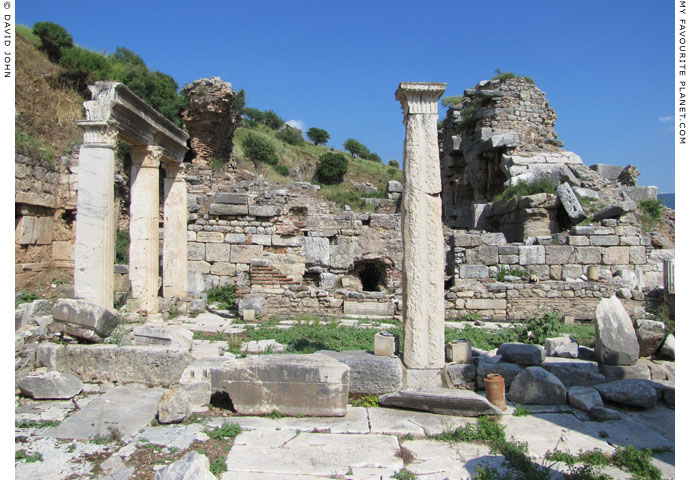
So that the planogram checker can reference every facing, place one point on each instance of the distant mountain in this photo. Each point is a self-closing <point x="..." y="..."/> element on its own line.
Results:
<point x="668" y="199"/>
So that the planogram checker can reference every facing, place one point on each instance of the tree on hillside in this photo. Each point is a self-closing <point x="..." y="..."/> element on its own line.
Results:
<point x="374" y="157"/>
<point x="332" y="168"/>
<point x="254" y="115"/>
<point x="318" y="135"/>
<point x="393" y="163"/>
<point x="259" y="149"/>
<point x="356" y="148"/>
<point x="272" y="120"/>
<point x="125" y="55"/>
<point x="290" y="135"/>
<point x="54" y="39"/>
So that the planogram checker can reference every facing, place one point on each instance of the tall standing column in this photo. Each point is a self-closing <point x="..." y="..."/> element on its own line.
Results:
<point x="175" y="232"/>
<point x="422" y="235"/>
<point x="94" y="247"/>
<point x="143" y="227"/>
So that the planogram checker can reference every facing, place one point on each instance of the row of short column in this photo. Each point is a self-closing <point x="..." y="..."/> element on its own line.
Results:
<point x="94" y="246"/>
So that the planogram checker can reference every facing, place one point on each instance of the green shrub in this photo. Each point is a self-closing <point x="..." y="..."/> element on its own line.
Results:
<point x="332" y="168"/>
<point x="281" y="169"/>
<point x="502" y="75"/>
<point x="122" y="247"/>
<point x="259" y="149"/>
<point x="539" y="328"/>
<point x="452" y="100"/>
<point x="54" y="39"/>
<point x="272" y="120"/>
<point x="404" y="474"/>
<point x="228" y="430"/>
<point x="637" y="462"/>
<point x="374" y="157"/>
<point x="253" y="115"/>
<point x="521" y="412"/>
<point x="485" y="430"/>
<point x="650" y="216"/>
<point x="225" y="296"/>
<point x="318" y="135"/>
<point x="523" y="189"/>
<point x="393" y="163"/>
<point x="290" y="135"/>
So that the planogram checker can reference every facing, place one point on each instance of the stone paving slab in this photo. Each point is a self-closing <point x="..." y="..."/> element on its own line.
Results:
<point x="629" y="431"/>
<point x="176" y="436"/>
<point x="58" y="462"/>
<point x="50" y="409"/>
<point x="401" y="422"/>
<point x="208" y="349"/>
<point x="544" y="431"/>
<point x="660" y="419"/>
<point x="284" y="452"/>
<point x="434" y="460"/>
<point x="128" y="409"/>
<point x="354" y="421"/>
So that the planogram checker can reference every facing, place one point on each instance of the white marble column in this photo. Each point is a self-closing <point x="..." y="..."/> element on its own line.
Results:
<point x="175" y="232"/>
<point x="143" y="226"/>
<point x="422" y="235"/>
<point x="94" y="248"/>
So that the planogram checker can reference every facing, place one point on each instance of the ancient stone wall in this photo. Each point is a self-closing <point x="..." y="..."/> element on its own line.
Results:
<point x="45" y="202"/>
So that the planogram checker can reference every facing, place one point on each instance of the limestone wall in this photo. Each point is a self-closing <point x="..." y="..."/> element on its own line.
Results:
<point x="45" y="200"/>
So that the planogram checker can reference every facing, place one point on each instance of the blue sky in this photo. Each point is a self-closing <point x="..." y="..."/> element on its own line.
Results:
<point x="606" y="67"/>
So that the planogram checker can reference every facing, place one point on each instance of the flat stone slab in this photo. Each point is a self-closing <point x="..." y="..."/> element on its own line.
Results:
<point x="175" y="436"/>
<point x="628" y="431"/>
<point x="370" y="374"/>
<point x="439" y="460"/>
<point x="311" y="385"/>
<point x="419" y="424"/>
<point x="282" y="453"/>
<point x="354" y="421"/>
<point x="444" y="402"/>
<point x="634" y="392"/>
<point x="521" y="353"/>
<point x="127" y="409"/>
<point x="573" y="371"/>
<point x="543" y="431"/>
<point x="49" y="385"/>
<point x="368" y="308"/>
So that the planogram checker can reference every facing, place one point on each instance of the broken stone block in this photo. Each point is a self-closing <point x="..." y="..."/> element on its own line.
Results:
<point x="174" y="406"/>
<point x="49" y="385"/>
<point x="253" y="302"/>
<point x="385" y="344"/>
<point x="634" y="392"/>
<point x="615" y="337"/>
<point x="163" y="335"/>
<point x="570" y="203"/>
<point x="26" y="313"/>
<point x="621" y="372"/>
<point x="584" y="398"/>
<point x="459" y="351"/>
<point x="628" y="175"/>
<point x="564" y="347"/>
<point x="668" y="348"/>
<point x="370" y="374"/>
<point x="444" y="402"/>
<point x="609" y="172"/>
<point x="574" y="371"/>
<point x="193" y="466"/>
<point x="650" y="335"/>
<point x="309" y="385"/>
<point x="84" y="319"/>
<point x="615" y="210"/>
<point x="462" y="375"/>
<point x="521" y="353"/>
<point x="536" y="385"/>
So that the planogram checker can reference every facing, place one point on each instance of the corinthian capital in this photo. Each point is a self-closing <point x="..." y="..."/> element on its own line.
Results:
<point x="146" y="156"/>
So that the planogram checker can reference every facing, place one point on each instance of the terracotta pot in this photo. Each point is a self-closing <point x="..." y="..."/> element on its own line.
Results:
<point x="495" y="390"/>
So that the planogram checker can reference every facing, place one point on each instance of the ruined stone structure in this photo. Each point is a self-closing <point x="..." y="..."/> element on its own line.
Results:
<point x="212" y="114"/>
<point x="115" y="112"/>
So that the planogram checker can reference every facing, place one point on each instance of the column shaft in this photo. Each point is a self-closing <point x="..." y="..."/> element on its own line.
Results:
<point x="422" y="232"/>
<point x="175" y="232"/>
<point x="94" y="248"/>
<point x="143" y="227"/>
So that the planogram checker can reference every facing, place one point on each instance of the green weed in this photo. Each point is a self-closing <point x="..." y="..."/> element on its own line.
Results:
<point x="228" y="430"/>
<point x="28" y="457"/>
<point x="365" y="401"/>
<point x="218" y="466"/>
<point x="521" y="412"/>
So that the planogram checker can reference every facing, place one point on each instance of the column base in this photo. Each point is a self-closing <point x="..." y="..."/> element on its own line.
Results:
<point x="422" y="378"/>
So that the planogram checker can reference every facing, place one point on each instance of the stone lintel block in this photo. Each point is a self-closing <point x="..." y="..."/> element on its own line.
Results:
<point x="210" y="237"/>
<point x="616" y="256"/>
<point x="473" y="271"/>
<point x="446" y="402"/>
<point x="309" y="385"/>
<point x="245" y="253"/>
<point x="223" y="268"/>
<point x="264" y="210"/>
<point x="230" y="198"/>
<point x="367" y="308"/>
<point x="287" y="241"/>
<point x="485" y="304"/>
<point x="386" y="345"/>
<point x="223" y="209"/>
<point x="578" y="240"/>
